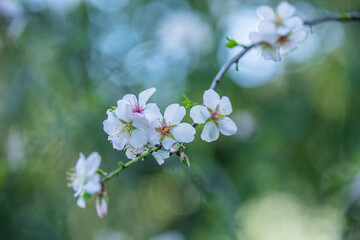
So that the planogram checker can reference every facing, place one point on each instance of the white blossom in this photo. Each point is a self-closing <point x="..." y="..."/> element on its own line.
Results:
<point x="169" y="129"/>
<point x="128" y="123"/>
<point x="279" y="32"/>
<point x="85" y="179"/>
<point x="215" y="116"/>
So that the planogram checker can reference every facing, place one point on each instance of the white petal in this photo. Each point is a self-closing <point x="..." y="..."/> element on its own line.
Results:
<point x="152" y="112"/>
<point x="80" y="167"/>
<point x="174" y="113"/>
<point x="225" y="106"/>
<point x="140" y="121"/>
<point x="271" y="54"/>
<point x="130" y="99"/>
<point x="210" y="132"/>
<point x="290" y="25"/>
<point x="168" y="142"/>
<point x="211" y="99"/>
<point x="266" y="12"/>
<point x="81" y="202"/>
<point x="130" y="153"/>
<point x="255" y="37"/>
<point x="298" y="36"/>
<point x="158" y="158"/>
<point x="199" y="114"/>
<point x="145" y="95"/>
<point x="119" y="142"/>
<point x="266" y="27"/>
<point x="93" y="162"/>
<point x="112" y="124"/>
<point x="227" y="126"/>
<point x="123" y="111"/>
<point x="288" y="47"/>
<point x="285" y="10"/>
<point x="183" y="132"/>
<point x="93" y="185"/>
<point x="138" y="138"/>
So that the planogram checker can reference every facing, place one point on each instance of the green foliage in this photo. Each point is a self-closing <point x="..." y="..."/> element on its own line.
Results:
<point x="231" y="43"/>
<point x="188" y="103"/>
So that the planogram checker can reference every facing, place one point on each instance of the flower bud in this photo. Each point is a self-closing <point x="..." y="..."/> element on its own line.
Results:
<point x="102" y="204"/>
<point x="184" y="159"/>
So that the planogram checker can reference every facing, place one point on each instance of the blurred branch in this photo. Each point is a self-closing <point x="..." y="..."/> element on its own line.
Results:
<point x="355" y="16"/>
<point x="227" y="65"/>
<point x="129" y="163"/>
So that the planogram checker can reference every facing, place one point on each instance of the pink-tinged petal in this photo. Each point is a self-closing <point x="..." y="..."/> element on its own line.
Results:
<point x="225" y="106"/>
<point x="93" y="184"/>
<point x="298" y="36"/>
<point x="93" y="162"/>
<point x="101" y="207"/>
<point x="130" y="99"/>
<point x="152" y="112"/>
<point x="174" y="113"/>
<point x="227" y="126"/>
<point x="112" y="124"/>
<point x="266" y="13"/>
<point x="119" y="141"/>
<point x="140" y="121"/>
<point x="199" y="114"/>
<point x="266" y="27"/>
<point x="211" y="99"/>
<point x="123" y="111"/>
<point x="183" y="132"/>
<point x="138" y="138"/>
<point x="285" y="10"/>
<point x="210" y="132"/>
<point x="168" y="142"/>
<point x="80" y="167"/>
<point x="81" y="202"/>
<point x="145" y="95"/>
<point x="288" y="47"/>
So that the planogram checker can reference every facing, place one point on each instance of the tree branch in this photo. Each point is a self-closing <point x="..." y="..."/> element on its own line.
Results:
<point x="355" y="16"/>
<point x="129" y="163"/>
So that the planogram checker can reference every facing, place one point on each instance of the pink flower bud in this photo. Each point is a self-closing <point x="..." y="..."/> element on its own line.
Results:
<point x="102" y="205"/>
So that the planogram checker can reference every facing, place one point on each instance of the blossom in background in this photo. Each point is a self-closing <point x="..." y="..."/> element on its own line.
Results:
<point x="215" y="116"/>
<point x="85" y="179"/>
<point x="168" y="129"/>
<point x="127" y="124"/>
<point x="279" y="32"/>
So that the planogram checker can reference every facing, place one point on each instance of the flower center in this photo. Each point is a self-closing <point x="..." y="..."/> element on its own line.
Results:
<point x="164" y="129"/>
<point x="283" y="39"/>
<point x="215" y="115"/>
<point x="135" y="107"/>
<point x="278" y="20"/>
<point x="124" y="131"/>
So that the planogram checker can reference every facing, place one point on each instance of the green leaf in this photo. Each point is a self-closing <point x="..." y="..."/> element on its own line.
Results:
<point x="232" y="43"/>
<point x="188" y="103"/>
<point x="112" y="108"/>
<point x="86" y="196"/>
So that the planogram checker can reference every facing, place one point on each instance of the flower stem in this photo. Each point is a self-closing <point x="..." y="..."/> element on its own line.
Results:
<point x="129" y="163"/>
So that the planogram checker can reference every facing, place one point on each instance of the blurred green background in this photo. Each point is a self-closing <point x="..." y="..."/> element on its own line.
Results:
<point x="291" y="171"/>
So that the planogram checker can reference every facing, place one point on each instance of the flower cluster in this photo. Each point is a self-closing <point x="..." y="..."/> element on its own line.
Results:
<point x="139" y="127"/>
<point x="279" y="32"/>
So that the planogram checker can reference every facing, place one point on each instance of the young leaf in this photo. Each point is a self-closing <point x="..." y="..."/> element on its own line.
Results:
<point x="232" y="43"/>
<point x="188" y="103"/>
